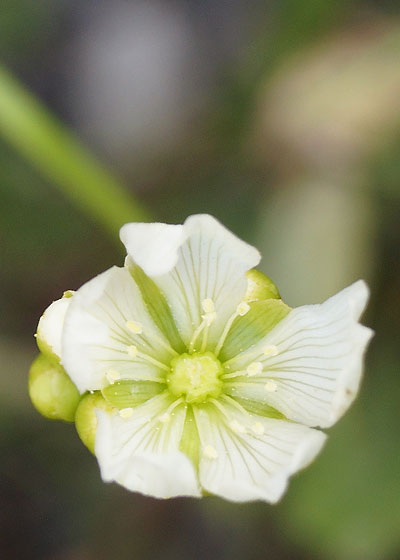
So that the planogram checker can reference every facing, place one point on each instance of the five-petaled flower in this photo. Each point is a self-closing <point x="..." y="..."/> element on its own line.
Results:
<point x="196" y="377"/>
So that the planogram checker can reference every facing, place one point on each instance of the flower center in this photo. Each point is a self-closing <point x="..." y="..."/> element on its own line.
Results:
<point x="196" y="376"/>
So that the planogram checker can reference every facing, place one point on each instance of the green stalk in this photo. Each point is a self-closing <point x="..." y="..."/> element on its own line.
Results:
<point x="49" y="146"/>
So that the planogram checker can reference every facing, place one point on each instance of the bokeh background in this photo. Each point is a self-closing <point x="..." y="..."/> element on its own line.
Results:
<point x="280" y="117"/>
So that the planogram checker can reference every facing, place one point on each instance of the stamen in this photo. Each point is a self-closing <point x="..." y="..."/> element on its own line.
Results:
<point x="210" y="452"/>
<point x="254" y="369"/>
<point x="271" y="386"/>
<point x="234" y="403"/>
<point x="195" y="335"/>
<point x="165" y="417"/>
<point x="258" y="429"/>
<point x="112" y="376"/>
<point x="126" y="413"/>
<point x="133" y="352"/>
<point x="242" y="308"/>
<point x="270" y="350"/>
<point x="134" y="327"/>
<point x="237" y="427"/>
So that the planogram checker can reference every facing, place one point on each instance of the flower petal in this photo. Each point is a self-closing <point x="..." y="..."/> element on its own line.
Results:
<point x="193" y="263"/>
<point x="248" y="457"/>
<point x="109" y="332"/>
<point x="141" y="452"/>
<point x="49" y="331"/>
<point x="311" y="362"/>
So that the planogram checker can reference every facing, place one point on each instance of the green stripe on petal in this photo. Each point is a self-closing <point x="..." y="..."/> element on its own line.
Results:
<point x="157" y="306"/>
<point x="260" y="408"/>
<point x="190" y="441"/>
<point x="128" y="394"/>
<point x="248" y="329"/>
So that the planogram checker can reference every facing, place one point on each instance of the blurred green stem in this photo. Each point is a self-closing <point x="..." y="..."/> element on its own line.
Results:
<point x="38" y="136"/>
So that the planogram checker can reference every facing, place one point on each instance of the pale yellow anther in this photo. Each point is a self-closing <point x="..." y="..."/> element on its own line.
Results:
<point x="126" y="413"/>
<point x="134" y="327"/>
<point x="210" y="452"/>
<point x="132" y="351"/>
<point x="258" y="429"/>
<point x="270" y="350"/>
<point x="254" y="369"/>
<point x="237" y="427"/>
<point x="112" y="376"/>
<point x="242" y="308"/>
<point x="165" y="418"/>
<point x="271" y="386"/>
<point x="208" y="305"/>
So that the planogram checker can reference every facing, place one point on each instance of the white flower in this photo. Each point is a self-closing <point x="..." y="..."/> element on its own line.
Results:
<point x="212" y="383"/>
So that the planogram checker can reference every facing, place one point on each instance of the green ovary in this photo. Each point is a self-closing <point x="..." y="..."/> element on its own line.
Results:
<point x="196" y="377"/>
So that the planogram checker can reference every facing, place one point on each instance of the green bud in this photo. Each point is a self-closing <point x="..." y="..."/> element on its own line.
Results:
<point x="86" y="419"/>
<point x="51" y="390"/>
<point x="260" y="287"/>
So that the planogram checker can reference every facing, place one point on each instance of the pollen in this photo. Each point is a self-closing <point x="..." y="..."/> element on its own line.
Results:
<point x="258" y="429"/>
<point x="254" y="369"/>
<point x="242" y="308"/>
<point x="112" y="375"/>
<point x="132" y="351"/>
<point x="126" y="413"/>
<point x="210" y="452"/>
<point x="270" y="350"/>
<point x="134" y="327"/>
<point x="271" y="386"/>
<point x="237" y="427"/>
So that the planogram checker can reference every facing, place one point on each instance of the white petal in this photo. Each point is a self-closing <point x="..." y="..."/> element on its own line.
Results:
<point x="50" y="326"/>
<point x="142" y="451"/>
<point x="96" y="340"/>
<point x="319" y="360"/>
<point x="199" y="261"/>
<point x="248" y="457"/>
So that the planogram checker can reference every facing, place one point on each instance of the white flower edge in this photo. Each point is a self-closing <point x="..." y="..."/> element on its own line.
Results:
<point x="50" y="326"/>
<point x="314" y="372"/>
<point x="141" y="452"/>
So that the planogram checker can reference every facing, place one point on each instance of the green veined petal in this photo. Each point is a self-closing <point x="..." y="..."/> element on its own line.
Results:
<point x="190" y="441"/>
<point x="128" y="394"/>
<point x="260" y="408"/>
<point x="252" y="327"/>
<point x="157" y="306"/>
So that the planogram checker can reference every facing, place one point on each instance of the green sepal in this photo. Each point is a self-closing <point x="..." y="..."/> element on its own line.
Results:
<point x="128" y="394"/>
<point x="86" y="419"/>
<point x="260" y="408"/>
<point x="157" y="306"/>
<point x="51" y="391"/>
<point x="260" y="286"/>
<point x="247" y="330"/>
<point x="190" y="440"/>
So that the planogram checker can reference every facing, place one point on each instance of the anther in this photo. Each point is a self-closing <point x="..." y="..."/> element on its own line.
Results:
<point x="270" y="350"/>
<point x="210" y="452"/>
<point x="271" y="386"/>
<point x="237" y="427"/>
<point x="134" y="327"/>
<point x="258" y="429"/>
<point x="126" y="413"/>
<point x="208" y="305"/>
<point x="242" y="308"/>
<point x="112" y="376"/>
<point x="132" y="351"/>
<point x="254" y="369"/>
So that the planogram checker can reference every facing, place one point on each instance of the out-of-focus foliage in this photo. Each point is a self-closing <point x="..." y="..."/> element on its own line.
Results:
<point x="282" y="119"/>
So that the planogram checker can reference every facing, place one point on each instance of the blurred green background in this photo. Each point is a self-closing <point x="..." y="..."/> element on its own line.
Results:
<point x="282" y="118"/>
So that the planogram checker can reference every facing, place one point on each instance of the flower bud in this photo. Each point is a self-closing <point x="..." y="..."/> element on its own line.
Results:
<point x="86" y="419"/>
<point x="260" y="287"/>
<point x="48" y="336"/>
<point x="51" y="390"/>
